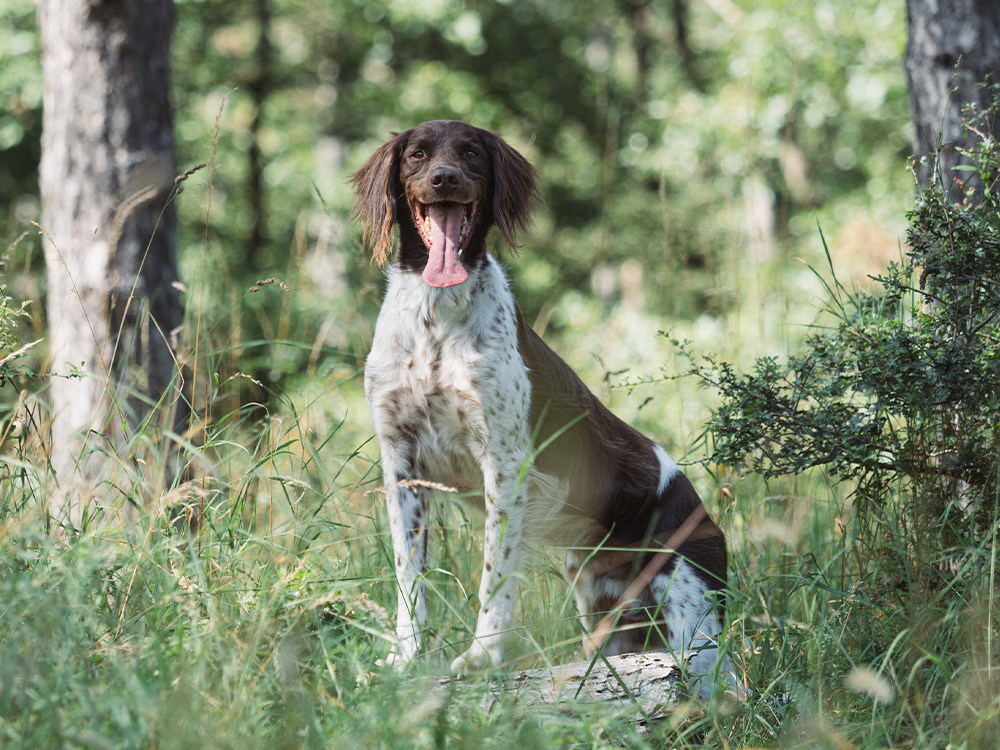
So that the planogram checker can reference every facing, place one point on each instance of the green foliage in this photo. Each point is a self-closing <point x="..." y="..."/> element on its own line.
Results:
<point x="245" y="602"/>
<point x="652" y="125"/>
<point x="898" y="392"/>
<point x="893" y="397"/>
<point x="249" y="608"/>
<point x="11" y="318"/>
<point x="20" y="108"/>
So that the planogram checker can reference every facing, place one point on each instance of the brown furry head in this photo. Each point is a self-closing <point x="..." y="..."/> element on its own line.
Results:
<point x="381" y="200"/>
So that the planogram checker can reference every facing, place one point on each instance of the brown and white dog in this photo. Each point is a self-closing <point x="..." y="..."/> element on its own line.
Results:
<point x="464" y="393"/>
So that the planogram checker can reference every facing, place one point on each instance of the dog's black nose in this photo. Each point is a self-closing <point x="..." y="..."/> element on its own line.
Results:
<point x="445" y="177"/>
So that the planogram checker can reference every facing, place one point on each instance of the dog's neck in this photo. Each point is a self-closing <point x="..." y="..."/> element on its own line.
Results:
<point x="429" y="305"/>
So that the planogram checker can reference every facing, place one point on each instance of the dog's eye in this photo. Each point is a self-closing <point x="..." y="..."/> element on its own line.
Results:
<point x="418" y="154"/>
<point x="471" y="154"/>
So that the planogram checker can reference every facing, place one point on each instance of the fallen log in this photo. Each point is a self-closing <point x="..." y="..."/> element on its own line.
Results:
<point x="645" y="683"/>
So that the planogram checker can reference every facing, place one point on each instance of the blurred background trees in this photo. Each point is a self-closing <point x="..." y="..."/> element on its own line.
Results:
<point x="676" y="142"/>
<point x="689" y="151"/>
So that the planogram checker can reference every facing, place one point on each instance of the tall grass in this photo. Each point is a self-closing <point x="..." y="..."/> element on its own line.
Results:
<point x="262" y="625"/>
<point x="247" y="602"/>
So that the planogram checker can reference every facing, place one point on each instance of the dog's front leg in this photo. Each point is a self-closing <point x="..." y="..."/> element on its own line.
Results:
<point x="501" y="557"/>
<point x="407" y="507"/>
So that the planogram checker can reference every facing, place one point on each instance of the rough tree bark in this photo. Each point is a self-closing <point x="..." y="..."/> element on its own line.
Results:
<point x="106" y="174"/>
<point x="953" y="46"/>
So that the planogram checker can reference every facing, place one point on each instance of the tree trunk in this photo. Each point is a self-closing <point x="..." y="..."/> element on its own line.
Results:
<point x="259" y="87"/>
<point x="951" y="49"/>
<point x="106" y="176"/>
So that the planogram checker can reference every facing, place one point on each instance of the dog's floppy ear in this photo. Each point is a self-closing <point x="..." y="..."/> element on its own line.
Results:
<point x="515" y="187"/>
<point x="375" y="204"/>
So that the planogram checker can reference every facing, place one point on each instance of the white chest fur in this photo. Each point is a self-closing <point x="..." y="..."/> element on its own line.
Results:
<point x="445" y="381"/>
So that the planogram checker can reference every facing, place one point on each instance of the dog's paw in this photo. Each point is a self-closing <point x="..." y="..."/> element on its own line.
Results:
<point x="394" y="660"/>
<point x="473" y="660"/>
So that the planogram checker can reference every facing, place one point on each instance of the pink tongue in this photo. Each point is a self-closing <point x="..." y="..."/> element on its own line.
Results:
<point x="444" y="268"/>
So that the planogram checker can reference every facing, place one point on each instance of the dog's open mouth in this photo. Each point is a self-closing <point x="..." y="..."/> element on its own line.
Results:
<point x="445" y="229"/>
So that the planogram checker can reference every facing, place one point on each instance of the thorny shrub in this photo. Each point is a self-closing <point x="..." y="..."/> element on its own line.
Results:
<point x="897" y="391"/>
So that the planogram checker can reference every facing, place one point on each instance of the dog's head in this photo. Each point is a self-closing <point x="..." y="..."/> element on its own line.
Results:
<point x="445" y="184"/>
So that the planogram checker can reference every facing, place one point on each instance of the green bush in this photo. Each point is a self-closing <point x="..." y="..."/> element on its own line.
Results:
<point x="896" y="391"/>
<point x="11" y="317"/>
